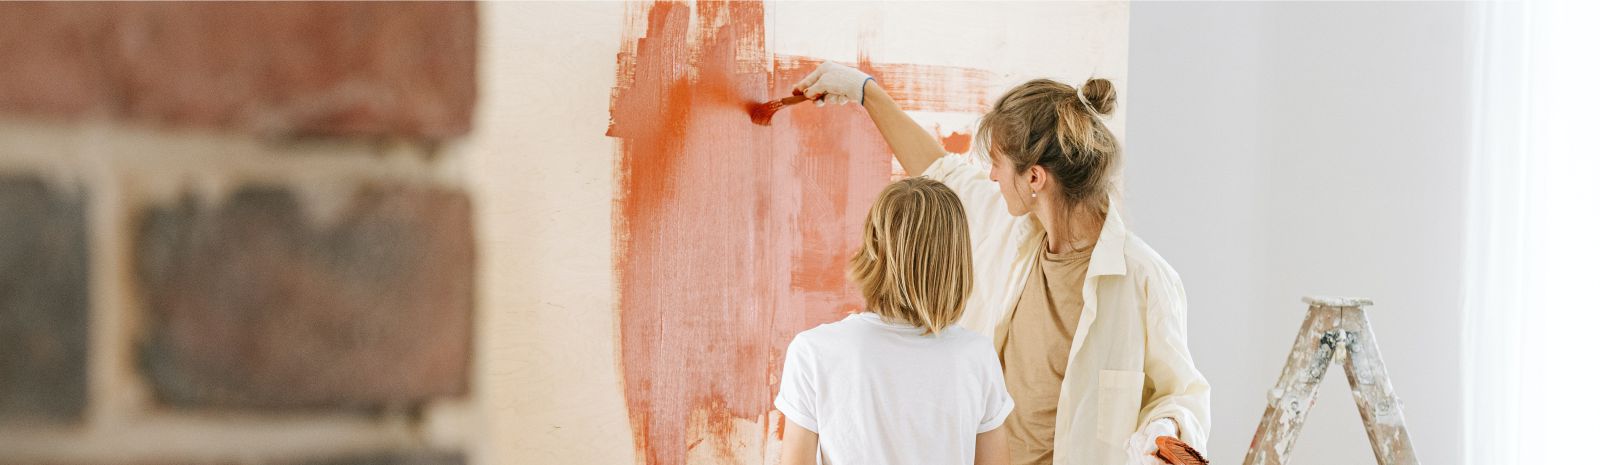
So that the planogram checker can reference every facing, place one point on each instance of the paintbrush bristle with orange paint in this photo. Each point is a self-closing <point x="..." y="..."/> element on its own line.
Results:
<point x="1171" y="450"/>
<point x="762" y="114"/>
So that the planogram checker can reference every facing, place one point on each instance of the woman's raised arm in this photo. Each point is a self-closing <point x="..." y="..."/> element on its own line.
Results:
<point x="913" y="146"/>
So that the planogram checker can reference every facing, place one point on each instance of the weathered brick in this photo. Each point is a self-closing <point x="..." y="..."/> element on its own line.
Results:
<point x="43" y="302"/>
<point x="250" y="304"/>
<point x="299" y="68"/>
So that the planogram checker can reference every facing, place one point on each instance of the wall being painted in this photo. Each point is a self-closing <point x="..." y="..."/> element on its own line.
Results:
<point x="648" y="252"/>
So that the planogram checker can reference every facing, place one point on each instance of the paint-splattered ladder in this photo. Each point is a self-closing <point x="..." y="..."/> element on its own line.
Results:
<point x="1336" y="330"/>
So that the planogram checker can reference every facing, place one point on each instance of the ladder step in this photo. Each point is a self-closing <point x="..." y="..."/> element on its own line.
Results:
<point x="1330" y="301"/>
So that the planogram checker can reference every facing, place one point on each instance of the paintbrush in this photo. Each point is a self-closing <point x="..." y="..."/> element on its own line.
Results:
<point x="762" y="114"/>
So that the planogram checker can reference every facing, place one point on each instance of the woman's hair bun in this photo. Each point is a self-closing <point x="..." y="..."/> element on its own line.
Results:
<point x="1100" y="95"/>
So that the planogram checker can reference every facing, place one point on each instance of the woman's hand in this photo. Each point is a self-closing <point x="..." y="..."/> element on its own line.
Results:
<point x="838" y="84"/>
<point x="1142" y="445"/>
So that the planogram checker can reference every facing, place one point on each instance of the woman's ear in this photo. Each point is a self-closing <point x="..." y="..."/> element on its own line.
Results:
<point x="1037" y="178"/>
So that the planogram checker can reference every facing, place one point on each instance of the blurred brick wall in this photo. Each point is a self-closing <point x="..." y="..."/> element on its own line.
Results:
<point x="229" y="233"/>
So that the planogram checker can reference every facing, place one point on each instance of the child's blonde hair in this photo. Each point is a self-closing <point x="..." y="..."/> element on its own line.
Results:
<point x="915" y="263"/>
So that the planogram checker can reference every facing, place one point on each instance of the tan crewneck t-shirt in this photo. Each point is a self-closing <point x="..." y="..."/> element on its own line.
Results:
<point x="1034" y="350"/>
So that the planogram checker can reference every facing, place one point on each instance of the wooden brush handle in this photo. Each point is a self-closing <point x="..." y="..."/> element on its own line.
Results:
<point x="793" y="100"/>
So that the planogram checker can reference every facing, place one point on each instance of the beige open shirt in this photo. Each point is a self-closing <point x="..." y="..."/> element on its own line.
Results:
<point x="1129" y="361"/>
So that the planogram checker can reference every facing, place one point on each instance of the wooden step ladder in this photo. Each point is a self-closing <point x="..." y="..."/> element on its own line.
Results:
<point x="1336" y="331"/>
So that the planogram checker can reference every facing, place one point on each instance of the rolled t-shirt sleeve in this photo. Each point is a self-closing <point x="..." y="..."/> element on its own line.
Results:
<point x="797" y="391"/>
<point x="997" y="402"/>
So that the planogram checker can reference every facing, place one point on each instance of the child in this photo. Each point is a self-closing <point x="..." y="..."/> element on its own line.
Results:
<point x="898" y="384"/>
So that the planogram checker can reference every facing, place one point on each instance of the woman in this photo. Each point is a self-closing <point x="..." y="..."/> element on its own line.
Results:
<point x="1088" y="321"/>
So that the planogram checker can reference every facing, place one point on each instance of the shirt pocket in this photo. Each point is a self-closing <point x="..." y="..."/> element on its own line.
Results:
<point x="1118" y="404"/>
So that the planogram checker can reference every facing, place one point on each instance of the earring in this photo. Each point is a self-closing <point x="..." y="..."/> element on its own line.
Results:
<point x="1035" y="194"/>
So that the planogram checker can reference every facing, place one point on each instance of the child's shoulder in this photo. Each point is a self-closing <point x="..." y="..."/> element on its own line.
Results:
<point x="859" y="326"/>
<point x="967" y="338"/>
<point x="826" y="331"/>
<point x="961" y="334"/>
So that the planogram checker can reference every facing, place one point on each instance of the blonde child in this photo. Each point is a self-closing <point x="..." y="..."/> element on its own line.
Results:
<point x="899" y="383"/>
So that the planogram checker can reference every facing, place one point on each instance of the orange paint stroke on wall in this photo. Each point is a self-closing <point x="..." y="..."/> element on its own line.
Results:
<point x="957" y="142"/>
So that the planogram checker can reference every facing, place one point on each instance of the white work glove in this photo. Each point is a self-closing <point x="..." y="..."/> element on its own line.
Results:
<point x="1142" y="445"/>
<point x="837" y="84"/>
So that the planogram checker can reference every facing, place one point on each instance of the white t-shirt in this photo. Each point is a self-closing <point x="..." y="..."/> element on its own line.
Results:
<point x="882" y="393"/>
